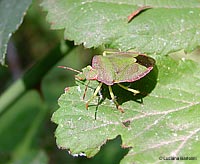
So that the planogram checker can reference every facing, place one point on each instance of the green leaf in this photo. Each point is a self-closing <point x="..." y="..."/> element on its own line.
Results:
<point x="168" y="26"/>
<point x="11" y="16"/>
<point x="165" y="124"/>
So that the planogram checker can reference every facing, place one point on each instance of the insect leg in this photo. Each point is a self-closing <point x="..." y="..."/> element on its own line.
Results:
<point x="110" y="52"/>
<point x="113" y="99"/>
<point x="129" y="89"/>
<point x="86" y="89"/>
<point x="94" y="95"/>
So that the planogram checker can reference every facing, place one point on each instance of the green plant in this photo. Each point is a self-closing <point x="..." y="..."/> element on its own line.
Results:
<point x="161" y="124"/>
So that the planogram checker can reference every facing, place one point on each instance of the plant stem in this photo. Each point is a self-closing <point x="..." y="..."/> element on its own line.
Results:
<point x="32" y="78"/>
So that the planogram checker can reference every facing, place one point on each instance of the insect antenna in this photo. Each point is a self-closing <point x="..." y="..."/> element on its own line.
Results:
<point x="68" y="68"/>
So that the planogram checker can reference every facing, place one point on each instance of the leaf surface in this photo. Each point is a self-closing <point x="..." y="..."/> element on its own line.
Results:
<point x="166" y="124"/>
<point x="167" y="27"/>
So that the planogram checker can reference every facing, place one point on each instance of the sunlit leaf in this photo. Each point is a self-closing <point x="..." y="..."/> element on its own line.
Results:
<point x="11" y="15"/>
<point x="166" y="27"/>
<point x="165" y="124"/>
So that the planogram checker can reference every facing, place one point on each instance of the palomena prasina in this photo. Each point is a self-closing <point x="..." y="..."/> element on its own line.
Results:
<point x="115" y="68"/>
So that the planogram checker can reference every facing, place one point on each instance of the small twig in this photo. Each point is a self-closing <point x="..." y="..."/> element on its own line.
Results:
<point x="136" y="12"/>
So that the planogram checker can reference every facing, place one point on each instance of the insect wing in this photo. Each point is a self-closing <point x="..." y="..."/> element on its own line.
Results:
<point x="144" y="65"/>
<point x="124" y="67"/>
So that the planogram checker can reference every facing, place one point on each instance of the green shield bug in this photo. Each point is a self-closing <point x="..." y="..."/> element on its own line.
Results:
<point x="115" y="68"/>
